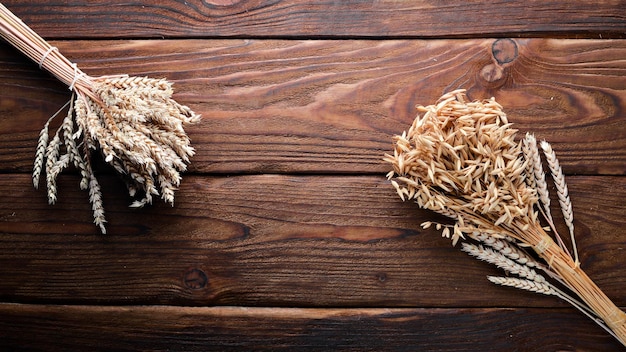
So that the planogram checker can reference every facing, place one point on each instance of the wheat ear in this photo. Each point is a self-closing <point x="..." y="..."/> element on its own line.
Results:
<point x="531" y="152"/>
<point x="95" y="198"/>
<point x="507" y="248"/>
<point x="562" y="193"/>
<point x="42" y="144"/>
<point x="511" y="249"/>
<point x="502" y="261"/>
<point x="524" y="284"/>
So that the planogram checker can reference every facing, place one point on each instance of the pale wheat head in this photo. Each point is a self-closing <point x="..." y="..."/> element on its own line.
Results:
<point x="132" y="121"/>
<point x="136" y="126"/>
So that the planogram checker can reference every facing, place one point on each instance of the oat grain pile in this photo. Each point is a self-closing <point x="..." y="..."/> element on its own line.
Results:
<point x="132" y="121"/>
<point x="461" y="159"/>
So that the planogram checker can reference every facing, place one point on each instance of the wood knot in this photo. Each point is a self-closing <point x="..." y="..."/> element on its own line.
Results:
<point x="504" y="51"/>
<point x="492" y="73"/>
<point x="195" y="279"/>
<point x="381" y="277"/>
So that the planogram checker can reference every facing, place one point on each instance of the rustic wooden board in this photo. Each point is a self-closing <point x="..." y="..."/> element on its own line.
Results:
<point x="300" y="18"/>
<point x="271" y="240"/>
<point x="88" y="328"/>
<point x="286" y="204"/>
<point x="317" y="106"/>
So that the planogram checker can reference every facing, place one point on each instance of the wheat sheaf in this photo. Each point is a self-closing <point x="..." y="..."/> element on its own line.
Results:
<point x="133" y="122"/>
<point x="462" y="159"/>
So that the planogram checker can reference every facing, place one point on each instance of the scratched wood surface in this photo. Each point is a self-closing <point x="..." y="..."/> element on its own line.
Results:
<point x="285" y="233"/>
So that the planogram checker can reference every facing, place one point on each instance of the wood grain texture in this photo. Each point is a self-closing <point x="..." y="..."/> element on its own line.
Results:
<point x="285" y="234"/>
<point x="299" y="18"/>
<point x="272" y="240"/>
<point x="87" y="328"/>
<point x="316" y="106"/>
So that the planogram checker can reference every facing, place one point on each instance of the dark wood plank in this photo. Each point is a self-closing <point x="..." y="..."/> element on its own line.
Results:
<point x="300" y="18"/>
<point x="273" y="106"/>
<point x="305" y="218"/>
<point x="271" y="240"/>
<point x="84" y="328"/>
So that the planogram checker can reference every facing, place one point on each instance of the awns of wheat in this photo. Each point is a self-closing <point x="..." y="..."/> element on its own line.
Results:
<point x="132" y="121"/>
<point x="461" y="159"/>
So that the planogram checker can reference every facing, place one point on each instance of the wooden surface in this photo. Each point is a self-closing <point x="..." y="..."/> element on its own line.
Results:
<point x="285" y="234"/>
<point x="324" y="18"/>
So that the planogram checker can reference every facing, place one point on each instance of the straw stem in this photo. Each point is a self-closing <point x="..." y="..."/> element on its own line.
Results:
<point x="31" y="44"/>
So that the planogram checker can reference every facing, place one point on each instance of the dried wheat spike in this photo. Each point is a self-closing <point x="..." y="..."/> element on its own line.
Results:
<point x="534" y="158"/>
<point x="562" y="192"/>
<point x="528" y="285"/>
<point x="40" y="154"/>
<point x="501" y="261"/>
<point x="95" y="197"/>
<point x="508" y="249"/>
<point x="52" y="158"/>
<point x="530" y="164"/>
<point x="42" y="145"/>
<point x="539" y="176"/>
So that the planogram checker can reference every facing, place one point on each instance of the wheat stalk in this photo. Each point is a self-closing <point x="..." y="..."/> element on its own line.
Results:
<point x="132" y="121"/>
<point x="461" y="158"/>
<point x="505" y="248"/>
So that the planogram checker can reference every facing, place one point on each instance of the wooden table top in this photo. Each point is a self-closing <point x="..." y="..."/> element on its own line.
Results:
<point x="285" y="233"/>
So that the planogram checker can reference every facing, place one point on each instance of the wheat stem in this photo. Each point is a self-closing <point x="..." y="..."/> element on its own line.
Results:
<point x="547" y="288"/>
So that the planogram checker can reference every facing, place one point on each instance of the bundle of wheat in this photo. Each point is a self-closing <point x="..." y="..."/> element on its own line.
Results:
<point x="461" y="159"/>
<point x="132" y="121"/>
